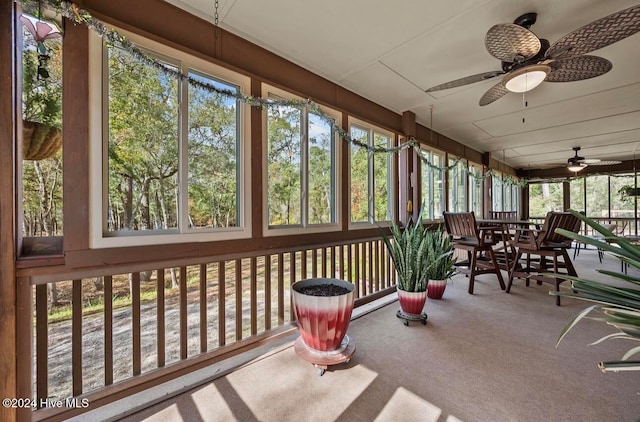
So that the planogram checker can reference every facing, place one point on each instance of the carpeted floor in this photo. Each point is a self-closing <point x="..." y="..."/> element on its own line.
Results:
<point x="490" y="356"/>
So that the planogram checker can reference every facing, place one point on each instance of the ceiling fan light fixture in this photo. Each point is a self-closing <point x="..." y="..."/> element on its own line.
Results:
<point x="576" y="167"/>
<point x="526" y="78"/>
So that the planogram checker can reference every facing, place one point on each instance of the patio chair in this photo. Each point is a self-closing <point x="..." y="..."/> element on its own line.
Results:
<point x="503" y="235"/>
<point x="544" y="243"/>
<point x="477" y="242"/>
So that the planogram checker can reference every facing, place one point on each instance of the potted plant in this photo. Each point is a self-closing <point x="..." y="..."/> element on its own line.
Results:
<point x="323" y="308"/>
<point x="410" y="249"/>
<point x="442" y="266"/>
<point x="615" y="306"/>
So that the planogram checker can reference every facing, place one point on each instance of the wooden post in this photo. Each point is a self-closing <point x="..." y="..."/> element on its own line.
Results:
<point x="8" y="110"/>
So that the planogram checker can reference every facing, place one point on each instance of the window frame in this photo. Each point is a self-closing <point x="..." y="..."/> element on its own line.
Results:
<point x="98" y="130"/>
<point x="426" y="170"/>
<point x="457" y="179"/>
<point x="391" y="173"/>
<point x="304" y="227"/>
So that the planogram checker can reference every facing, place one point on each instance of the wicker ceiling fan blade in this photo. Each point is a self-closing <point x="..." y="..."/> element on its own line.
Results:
<point x="601" y="162"/>
<point x="466" y="80"/>
<point x="494" y="93"/>
<point x="577" y="68"/>
<point x="511" y="43"/>
<point x="597" y="34"/>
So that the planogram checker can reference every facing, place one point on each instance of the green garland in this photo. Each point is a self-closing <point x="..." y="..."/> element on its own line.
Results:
<point x="70" y="11"/>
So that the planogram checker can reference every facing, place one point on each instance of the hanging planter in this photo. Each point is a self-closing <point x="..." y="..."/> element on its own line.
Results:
<point x="40" y="141"/>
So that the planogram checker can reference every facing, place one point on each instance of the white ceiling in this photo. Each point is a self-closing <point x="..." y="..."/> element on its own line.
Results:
<point x="390" y="52"/>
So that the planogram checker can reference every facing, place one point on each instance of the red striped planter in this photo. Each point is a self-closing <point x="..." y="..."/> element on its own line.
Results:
<point x="435" y="289"/>
<point x="412" y="303"/>
<point x="323" y="320"/>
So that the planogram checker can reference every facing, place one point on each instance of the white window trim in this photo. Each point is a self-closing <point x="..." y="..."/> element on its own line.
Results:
<point x="299" y="229"/>
<point x="359" y="225"/>
<point x="97" y="183"/>
<point x="430" y="202"/>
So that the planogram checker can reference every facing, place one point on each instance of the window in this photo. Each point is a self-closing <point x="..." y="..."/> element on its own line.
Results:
<point x="497" y="193"/>
<point x="41" y="181"/>
<point x="457" y="185"/>
<point x="172" y="156"/>
<point x="432" y="184"/>
<point x="545" y="197"/>
<point x="476" y="193"/>
<point x="301" y="167"/>
<point x="370" y="175"/>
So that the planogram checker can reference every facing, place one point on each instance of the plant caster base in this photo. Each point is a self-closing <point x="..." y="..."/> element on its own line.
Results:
<point x="322" y="360"/>
<point x="412" y="317"/>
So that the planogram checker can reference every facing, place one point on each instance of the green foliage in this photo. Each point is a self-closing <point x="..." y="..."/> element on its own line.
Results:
<point x="628" y="193"/>
<point x="42" y="103"/>
<point x="419" y="255"/>
<point x="440" y="249"/>
<point x="284" y="173"/>
<point x="615" y="306"/>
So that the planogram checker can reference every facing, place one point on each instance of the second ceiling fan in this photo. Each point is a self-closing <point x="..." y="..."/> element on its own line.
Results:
<point x="527" y="60"/>
<point x="577" y="163"/>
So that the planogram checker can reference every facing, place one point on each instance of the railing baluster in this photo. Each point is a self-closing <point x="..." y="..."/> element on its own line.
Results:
<point x="280" y="289"/>
<point x="350" y="266"/>
<point x="135" y="321"/>
<point x="292" y="279"/>
<point x="314" y="263"/>
<point x="356" y="267"/>
<point x="370" y="263"/>
<point x="324" y="262"/>
<point x="76" y="337"/>
<point x="238" y="299"/>
<point x="267" y="292"/>
<point x="377" y="244"/>
<point x="42" y="343"/>
<point x="222" y="289"/>
<point x="203" y="308"/>
<point x="341" y="258"/>
<point x="303" y="264"/>
<point x="254" y="296"/>
<point x="183" y="313"/>
<point x="160" y="326"/>
<point x="108" y="329"/>
<point x="333" y="261"/>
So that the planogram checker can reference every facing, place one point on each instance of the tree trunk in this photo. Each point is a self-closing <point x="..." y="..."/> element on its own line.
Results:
<point x="145" y="216"/>
<point x="45" y="211"/>
<point x="127" y="203"/>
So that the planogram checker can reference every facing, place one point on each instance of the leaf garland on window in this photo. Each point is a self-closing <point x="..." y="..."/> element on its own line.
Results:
<point x="80" y="16"/>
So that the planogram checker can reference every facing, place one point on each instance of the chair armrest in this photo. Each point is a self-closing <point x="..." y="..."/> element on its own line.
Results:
<point x="526" y="238"/>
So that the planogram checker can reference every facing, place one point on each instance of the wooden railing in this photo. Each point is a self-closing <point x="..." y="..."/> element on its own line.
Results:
<point x="625" y="225"/>
<point x="127" y="328"/>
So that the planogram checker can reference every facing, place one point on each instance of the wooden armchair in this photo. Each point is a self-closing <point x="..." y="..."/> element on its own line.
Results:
<point x="544" y="243"/>
<point x="477" y="242"/>
<point x="504" y="233"/>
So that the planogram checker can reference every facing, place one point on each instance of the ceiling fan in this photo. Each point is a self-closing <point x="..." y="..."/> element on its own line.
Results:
<point x="577" y="163"/>
<point x="527" y="60"/>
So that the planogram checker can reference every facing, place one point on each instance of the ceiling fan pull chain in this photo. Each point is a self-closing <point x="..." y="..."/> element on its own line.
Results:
<point x="524" y="106"/>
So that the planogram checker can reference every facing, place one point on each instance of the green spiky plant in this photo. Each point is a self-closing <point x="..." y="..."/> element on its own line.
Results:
<point x="417" y="253"/>
<point x="615" y="306"/>
<point x="440" y="251"/>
